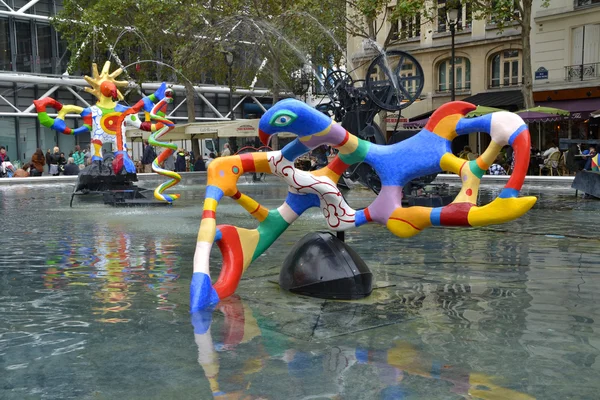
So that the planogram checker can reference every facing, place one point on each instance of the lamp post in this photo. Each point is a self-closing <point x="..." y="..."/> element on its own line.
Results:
<point x="229" y="61"/>
<point x="452" y="18"/>
<point x="305" y="86"/>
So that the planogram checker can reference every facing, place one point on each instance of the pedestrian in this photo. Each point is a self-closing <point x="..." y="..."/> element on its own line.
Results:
<point x="71" y="168"/>
<point x="180" y="163"/>
<point x="22" y="172"/>
<point x="226" y="150"/>
<point x="211" y="158"/>
<point x="37" y="163"/>
<point x="48" y="160"/>
<point x="79" y="157"/>
<point x="148" y="157"/>
<point x="87" y="156"/>
<point x="53" y="163"/>
<point x="3" y="155"/>
<point x="62" y="161"/>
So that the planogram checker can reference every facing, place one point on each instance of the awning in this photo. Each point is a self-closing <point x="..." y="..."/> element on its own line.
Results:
<point x="479" y="111"/>
<point x="531" y="116"/>
<point x="580" y="108"/>
<point x="203" y="130"/>
<point x="510" y="100"/>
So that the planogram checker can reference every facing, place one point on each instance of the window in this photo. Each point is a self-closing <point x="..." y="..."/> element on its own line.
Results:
<point x="584" y="3"/>
<point x="465" y="17"/>
<point x="44" y="41"/>
<point x="585" y="56"/>
<point x="408" y="70"/>
<point x="462" y="66"/>
<point x="586" y="44"/>
<point x="505" y="68"/>
<point x="515" y="11"/>
<point x="5" y="48"/>
<point x="406" y="28"/>
<point x="24" y="51"/>
<point x="410" y="27"/>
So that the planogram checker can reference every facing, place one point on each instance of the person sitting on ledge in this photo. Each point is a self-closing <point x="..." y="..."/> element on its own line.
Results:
<point x="22" y="172"/>
<point x="71" y="168"/>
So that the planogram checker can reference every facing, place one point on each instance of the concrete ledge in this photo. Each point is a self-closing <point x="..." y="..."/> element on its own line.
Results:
<point x="143" y="177"/>
<point x="502" y="179"/>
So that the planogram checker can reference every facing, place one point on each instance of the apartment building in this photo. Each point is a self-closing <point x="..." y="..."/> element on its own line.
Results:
<point x="566" y="62"/>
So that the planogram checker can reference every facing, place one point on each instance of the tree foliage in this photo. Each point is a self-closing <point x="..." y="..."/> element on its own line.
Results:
<point x="191" y="37"/>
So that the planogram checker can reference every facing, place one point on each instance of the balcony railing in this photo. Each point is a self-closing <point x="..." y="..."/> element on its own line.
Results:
<point x="582" y="72"/>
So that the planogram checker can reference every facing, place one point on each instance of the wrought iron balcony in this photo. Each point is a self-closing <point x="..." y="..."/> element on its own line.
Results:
<point x="582" y="72"/>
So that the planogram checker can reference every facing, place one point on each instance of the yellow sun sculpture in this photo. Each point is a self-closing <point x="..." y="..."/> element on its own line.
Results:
<point x="98" y="79"/>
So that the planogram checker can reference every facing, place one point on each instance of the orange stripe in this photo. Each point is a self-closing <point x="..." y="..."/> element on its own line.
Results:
<point x="368" y="214"/>
<point x="257" y="208"/>
<point x="343" y="142"/>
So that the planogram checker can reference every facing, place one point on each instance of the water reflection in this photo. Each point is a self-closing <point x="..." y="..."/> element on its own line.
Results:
<point x="114" y="270"/>
<point x="318" y="371"/>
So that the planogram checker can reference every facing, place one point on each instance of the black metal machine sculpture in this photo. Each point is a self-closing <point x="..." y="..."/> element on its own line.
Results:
<point x="394" y="80"/>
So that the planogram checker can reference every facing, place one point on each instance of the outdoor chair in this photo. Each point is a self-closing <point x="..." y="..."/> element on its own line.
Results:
<point x="551" y="164"/>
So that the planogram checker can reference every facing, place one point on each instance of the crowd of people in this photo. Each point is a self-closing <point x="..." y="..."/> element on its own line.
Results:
<point x="52" y="163"/>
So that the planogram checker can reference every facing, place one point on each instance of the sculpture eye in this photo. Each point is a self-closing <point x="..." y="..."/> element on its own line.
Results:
<point x="283" y="118"/>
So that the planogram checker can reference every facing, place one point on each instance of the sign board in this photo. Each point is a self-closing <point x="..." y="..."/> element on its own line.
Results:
<point x="393" y="118"/>
<point x="541" y="73"/>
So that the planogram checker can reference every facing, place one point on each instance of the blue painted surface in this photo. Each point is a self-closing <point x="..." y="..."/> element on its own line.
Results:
<point x="202" y="294"/>
<point x="472" y="125"/>
<point x="508" y="193"/>
<point x="399" y="163"/>
<point x="294" y="149"/>
<point x="214" y="192"/>
<point x="301" y="202"/>
<point x="309" y="122"/>
<point x="516" y="133"/>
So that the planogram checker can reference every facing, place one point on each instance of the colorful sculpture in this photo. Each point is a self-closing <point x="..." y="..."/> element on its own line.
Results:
<point x="425" y="153"/>
<point x="107" y="119"/>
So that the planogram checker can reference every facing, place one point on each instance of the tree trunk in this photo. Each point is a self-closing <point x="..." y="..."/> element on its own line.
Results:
<point x="527" y="88"/>
<point x="190" y="97"/>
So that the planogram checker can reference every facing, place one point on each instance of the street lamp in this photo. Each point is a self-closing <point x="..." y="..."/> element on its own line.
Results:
<point x="229" y="61"/>
<point x="305" y="85"/>
<point x="452" y="18"/>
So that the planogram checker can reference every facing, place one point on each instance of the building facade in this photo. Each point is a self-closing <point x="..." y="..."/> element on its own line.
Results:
<point x="33" y="64"/>
<point x="566" y="63"/>
<point x="487" y="60"/>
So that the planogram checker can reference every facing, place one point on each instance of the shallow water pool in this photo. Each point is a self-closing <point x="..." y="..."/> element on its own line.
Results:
<point x="94" y="305"/>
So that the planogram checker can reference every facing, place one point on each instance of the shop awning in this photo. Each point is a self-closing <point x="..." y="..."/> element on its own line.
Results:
<point x="532" y="116"/>
<point x="580" y="108"/>
<point x="510" y="100"/>
<point x="204" y="130"/>
<point x="479" y="111"/>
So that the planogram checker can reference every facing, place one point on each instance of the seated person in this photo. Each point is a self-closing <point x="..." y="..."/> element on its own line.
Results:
<point x="71" y="168"/>
<point x="551" y="150"/>
<point x="496" y="168"/>
<point x="22" y="172"/>
<point x="591" y="153"/>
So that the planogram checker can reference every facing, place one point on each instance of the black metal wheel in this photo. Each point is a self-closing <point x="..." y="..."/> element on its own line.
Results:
<point x="335" y="82"/>
<point x="401" y="83"/>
